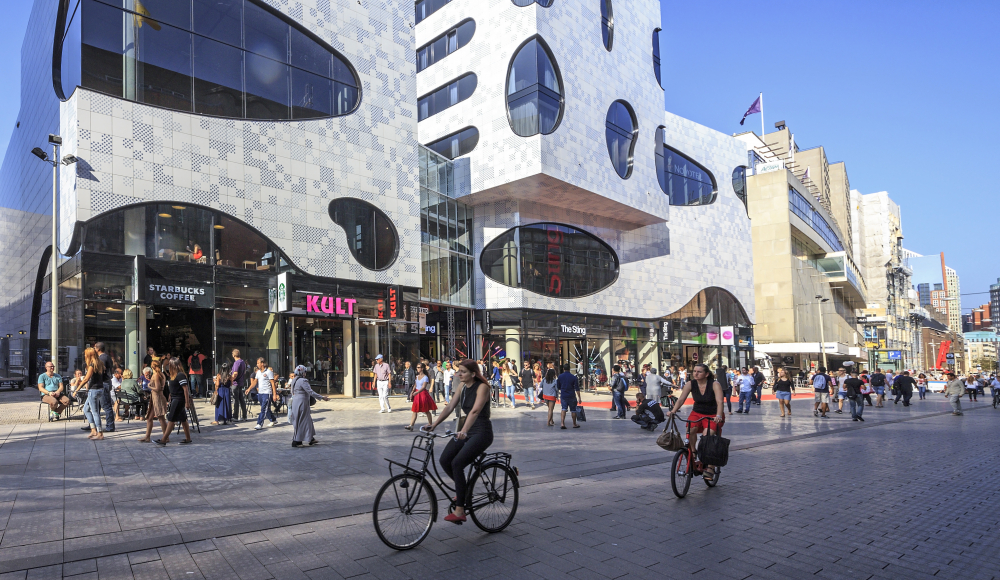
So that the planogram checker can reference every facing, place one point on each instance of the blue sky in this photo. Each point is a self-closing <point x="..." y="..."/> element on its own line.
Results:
<point x="904" y="92"/>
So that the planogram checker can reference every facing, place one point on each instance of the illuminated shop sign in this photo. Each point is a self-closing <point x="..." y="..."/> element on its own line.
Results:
<point x="330" y="305"/>
<point x="191" y="295"/>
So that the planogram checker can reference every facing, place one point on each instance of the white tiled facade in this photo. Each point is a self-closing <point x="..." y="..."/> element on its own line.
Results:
<point x="567" y="176"/>
<point x="276" y="176"/>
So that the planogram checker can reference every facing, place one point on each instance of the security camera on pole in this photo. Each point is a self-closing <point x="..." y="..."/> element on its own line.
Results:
<point x="56" y="142"/>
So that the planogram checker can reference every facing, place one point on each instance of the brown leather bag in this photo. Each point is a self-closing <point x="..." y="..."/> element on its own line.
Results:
<point x="671" y="438"/>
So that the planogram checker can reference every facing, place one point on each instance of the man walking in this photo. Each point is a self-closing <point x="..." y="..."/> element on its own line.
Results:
<point x="841" y="389"/>
<point x="746" y="391"/>
<point x="954" y="392"/>
<point x="618" y="387"/>
<point x="569" y="394"/>
<point x="383" y="374"/>
<point x="905" y="384"/>
<point x="238" y="372"/>
<point x="264" y="381"/>
<point x="821" y="387"/>
<point x="106" y="403"/>
<point x="654" y="386"/>
<point x="528" y="384"/>
<point x="877" y="380"/>
<point x="409" y="379"/>
<point x="758" y="385"/>
<point x="854" y="386"/>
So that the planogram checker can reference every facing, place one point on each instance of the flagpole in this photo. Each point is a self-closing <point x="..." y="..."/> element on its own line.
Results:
<point x="762" y="115"/>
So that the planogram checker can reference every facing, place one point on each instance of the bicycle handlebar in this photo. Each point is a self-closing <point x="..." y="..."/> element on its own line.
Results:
<point x="449" y="434"/>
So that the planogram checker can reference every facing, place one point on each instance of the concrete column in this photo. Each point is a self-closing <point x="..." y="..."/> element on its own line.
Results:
<point x="513" y="344"/>
<point x="352" y="362"/>
<point x="135" y="338"/>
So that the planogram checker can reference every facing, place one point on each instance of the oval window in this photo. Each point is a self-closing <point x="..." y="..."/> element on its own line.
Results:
<point x="225" y="58"/>
<point x="534" y="90"/>
<point x="550" y="259"/>
<point x="740" y="183"/>
<point x="621" y="128"/>
<point x="457" y="144"/>
<point x="607" y="24"/>
<point x="445" y="44"/>
<point x="683" y="179"/>
<point x="371" y="236"/>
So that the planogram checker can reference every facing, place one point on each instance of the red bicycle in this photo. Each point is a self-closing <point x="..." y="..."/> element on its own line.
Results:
<point x="686" y="465"/>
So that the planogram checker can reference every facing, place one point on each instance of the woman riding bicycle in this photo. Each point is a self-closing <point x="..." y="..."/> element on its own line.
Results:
<point x="707" y="395"/>
<point x="475" y="432"/>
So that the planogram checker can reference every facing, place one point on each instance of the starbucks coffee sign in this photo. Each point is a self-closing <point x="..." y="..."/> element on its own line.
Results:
<point x="284" y="293"/>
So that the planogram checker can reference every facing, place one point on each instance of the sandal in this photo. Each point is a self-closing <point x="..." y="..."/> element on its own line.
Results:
<point x="143" y="440"/>
<point x="186" y="441"/>
<point x="160" y="442"/>
<point x="408" y="427"/>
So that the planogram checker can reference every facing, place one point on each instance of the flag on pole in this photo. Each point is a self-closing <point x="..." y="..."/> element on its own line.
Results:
<point x="754" y="108"/>
<point x="806" y="174"/>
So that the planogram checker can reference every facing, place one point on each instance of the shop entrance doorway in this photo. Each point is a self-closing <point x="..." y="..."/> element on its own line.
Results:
<point x="584" y="359"/>
<point x="319" y="346"/>
<point x="180" y="332"/>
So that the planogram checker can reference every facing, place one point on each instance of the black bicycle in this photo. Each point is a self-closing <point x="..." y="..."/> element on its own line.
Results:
<point x="406" y="507"/>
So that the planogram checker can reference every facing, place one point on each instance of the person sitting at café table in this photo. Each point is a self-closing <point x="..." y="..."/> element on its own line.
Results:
<point x="197" y="254"/>
<point x="50" y="385"/>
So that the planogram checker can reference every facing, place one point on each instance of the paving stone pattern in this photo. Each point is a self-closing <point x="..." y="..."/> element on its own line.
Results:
<point x="910" y="493"/>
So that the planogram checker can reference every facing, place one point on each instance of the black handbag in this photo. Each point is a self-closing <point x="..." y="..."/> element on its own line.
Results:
<point x="713" y="450"/>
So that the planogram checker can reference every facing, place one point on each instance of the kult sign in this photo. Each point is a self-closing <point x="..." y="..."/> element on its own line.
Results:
<point x="328" y="305"/>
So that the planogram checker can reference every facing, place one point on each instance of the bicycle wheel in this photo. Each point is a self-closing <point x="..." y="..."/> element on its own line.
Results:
<point x="680" y="473"/>
<point x="492" y="497"/>
<point x="404" y="511"/>
<point x="715" y="479"/>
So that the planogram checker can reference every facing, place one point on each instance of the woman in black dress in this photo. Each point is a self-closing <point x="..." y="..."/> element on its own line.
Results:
<point x="180" y="400"/>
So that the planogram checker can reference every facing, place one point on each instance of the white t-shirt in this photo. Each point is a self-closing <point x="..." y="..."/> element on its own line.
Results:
<point x="264" y="381"/>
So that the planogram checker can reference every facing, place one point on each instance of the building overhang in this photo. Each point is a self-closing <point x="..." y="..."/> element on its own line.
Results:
<point x="832" y="348"/>
<point x="547" y="190"/>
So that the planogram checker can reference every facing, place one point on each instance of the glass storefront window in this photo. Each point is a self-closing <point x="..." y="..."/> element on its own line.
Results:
<point x="178" y="233"/>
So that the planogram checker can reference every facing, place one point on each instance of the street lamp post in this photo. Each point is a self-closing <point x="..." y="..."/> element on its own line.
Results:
<point x="822" y="337"/>
<point x="56" y="142"/>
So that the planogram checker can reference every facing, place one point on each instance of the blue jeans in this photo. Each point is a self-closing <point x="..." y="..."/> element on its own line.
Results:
<point x="529" y="396"/>
<point x="107" y="401"/>
<point x="92" y="409"/>
<point x="447" y="393"/>
<point x="619" y="399"/>
<point x="196" y="385"/>
<point x="922" y="391"/>
<point x="857" y="407"/>
<point x="265" y="409"/>
<point x="759" y="393"/>
<point x="510" y="394"/>
<point x="745" y="397"/>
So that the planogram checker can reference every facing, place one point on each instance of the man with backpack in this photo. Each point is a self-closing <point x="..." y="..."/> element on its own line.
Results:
<point x="618" y="387"/>
<point x="196" y="373"/>
<point x="878" y="383"/>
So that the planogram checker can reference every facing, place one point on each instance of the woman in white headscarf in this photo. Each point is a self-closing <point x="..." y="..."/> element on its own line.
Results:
<point x="299" y="412"/>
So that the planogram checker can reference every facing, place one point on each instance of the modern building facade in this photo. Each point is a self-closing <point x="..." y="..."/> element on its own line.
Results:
<point x="249" y="174"/>
<point x="981" y="349"/>
<point x="888" y="330"/>
<point x="605" y="229"/>
<point x="808" y="287"/>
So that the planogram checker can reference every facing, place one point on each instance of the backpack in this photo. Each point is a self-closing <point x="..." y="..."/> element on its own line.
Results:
<point x="878" y="380"/>
<point x="196" y="363"/>
<point x="621" y="385"/>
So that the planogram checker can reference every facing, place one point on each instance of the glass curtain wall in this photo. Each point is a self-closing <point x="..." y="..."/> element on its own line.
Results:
<point x="446" y="235"/>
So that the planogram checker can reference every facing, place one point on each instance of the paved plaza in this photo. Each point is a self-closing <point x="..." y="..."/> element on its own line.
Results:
<point x="910" y="494"/>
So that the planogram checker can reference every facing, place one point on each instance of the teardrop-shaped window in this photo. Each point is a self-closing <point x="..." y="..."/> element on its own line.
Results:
<point x="620" y="129"/>
<point x="534" y="90"/>
<point x="684" y="180"/>
<point x="656" y="56"/>
<point x="371" y="236"/>
<point x="550" y="259"/>
<point x="239" y="59"/>
<point x="607" y="24"/>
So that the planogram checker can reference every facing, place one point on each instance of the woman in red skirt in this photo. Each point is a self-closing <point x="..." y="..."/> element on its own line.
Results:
<point x="707" y="413"/>
<point x="423" y="402"/>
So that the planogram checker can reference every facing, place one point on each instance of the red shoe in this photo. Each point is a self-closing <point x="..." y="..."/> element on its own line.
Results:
<point x="454" y="519"/>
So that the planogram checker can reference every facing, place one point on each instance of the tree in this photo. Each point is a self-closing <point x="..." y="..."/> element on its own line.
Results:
<point x="988" y="364"/>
